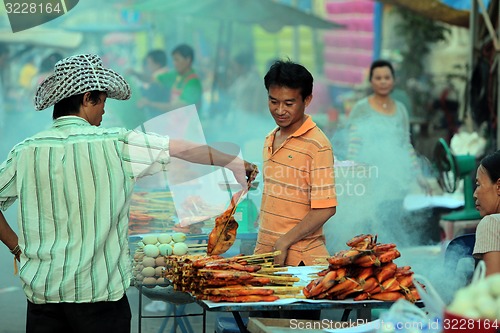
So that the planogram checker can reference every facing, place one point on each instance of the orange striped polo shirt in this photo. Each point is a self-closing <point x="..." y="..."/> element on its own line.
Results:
<point x="298" y="177"/>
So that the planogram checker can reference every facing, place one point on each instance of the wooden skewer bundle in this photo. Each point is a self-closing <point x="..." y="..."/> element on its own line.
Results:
<point x="236" y="279"/>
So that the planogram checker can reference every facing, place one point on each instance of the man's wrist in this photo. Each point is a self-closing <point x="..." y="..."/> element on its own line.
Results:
<point x="16" y="250"/>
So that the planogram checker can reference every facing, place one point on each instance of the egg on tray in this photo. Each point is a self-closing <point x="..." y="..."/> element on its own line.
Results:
<point x="149" y="261"/>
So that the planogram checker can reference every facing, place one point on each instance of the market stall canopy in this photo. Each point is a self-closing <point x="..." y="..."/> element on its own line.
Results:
<point x="434" y="9"/>
<point x="270" y="15"/>
<point x="43" y="37"/>
<point x="462" y="4"/>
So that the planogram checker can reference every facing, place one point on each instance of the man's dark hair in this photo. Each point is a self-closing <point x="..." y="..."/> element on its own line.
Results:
<point x="185" y="51"/>
<point x="285" y="73"/>
<point x="381" y="63"/>
<point x="158" y="56"/>
<point x="71" y="105"/>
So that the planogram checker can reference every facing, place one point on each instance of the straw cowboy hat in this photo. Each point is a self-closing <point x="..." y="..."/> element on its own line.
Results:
<point x="79" y="74"/>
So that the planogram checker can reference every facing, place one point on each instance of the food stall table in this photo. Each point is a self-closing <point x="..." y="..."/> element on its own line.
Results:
<point x="363" y="308"/>
<point x="176" y="303"/>
<point x="304" y="273"/>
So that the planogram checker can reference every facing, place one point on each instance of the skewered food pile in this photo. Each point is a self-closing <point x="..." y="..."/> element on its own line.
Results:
<point x="365" y="271"/>
<point x="151" y="212"/>
<point x="236" y="279"/>
<point x="155" y="212"/>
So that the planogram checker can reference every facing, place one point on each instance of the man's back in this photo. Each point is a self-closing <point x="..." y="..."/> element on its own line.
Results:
<point x="74" y="183"/>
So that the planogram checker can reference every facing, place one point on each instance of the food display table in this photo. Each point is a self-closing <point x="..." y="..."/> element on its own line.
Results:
<point x="362" y="308"/>
<point x="287" y="295"/>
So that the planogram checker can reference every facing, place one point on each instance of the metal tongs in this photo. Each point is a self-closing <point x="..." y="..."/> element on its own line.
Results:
<point x="243" y="192"/>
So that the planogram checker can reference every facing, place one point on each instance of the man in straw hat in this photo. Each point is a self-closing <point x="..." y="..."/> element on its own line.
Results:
<point x="74" y="182"/>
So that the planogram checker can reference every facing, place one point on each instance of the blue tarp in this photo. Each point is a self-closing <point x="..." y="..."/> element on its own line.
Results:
<point x="462" y="4"/>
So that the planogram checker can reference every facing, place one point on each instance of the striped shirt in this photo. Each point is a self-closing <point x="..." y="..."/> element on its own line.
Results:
<point x="487" y="236"/>
<point x="74" y="182"/>
<point x="298" y="177"/>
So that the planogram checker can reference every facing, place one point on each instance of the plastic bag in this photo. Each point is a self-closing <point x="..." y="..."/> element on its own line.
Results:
<point x="479" y="272"/>
<point x="434" y="304"/>
<point x="406" y="317"/>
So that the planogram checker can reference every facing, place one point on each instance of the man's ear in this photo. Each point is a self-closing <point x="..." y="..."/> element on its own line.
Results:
<point x="308" y="100"/>
<point x="86" y="99"/>
<point x="497" y="184"/>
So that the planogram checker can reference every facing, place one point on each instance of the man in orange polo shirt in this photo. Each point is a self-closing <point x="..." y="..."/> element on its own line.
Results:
<point x="299" y="182"/>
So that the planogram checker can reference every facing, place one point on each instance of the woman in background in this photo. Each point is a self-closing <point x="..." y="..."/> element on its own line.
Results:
<point x="487" y="197"/>
<point x="379" y="136"/>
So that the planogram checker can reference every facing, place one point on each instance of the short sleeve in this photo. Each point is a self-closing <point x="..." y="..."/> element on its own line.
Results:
<point x="487" y="236"/>
<point x="8" y="191"/>
<point x="323" y="179"/>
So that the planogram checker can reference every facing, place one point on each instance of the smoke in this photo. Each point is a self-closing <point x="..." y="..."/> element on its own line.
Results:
<point x="446" y="271"/>
<point x="248" y="131"/>
<point x="372" y="185"/>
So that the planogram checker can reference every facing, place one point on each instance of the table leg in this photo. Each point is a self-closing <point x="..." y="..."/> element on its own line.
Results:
<point x="174" y="326"/>
<point x="204" y="321"/>
<point x="181" y="320"/>
<point x="345" y="314"/>
<point x="165" y="321"/>
<point x="239" y="321"/>
<point x="139" y="330"/>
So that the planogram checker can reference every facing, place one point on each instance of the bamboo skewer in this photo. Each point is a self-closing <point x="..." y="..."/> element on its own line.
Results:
<point x="257" y="256"/>
<point x="251" y="259"/>
<point x="194" y="246"/>
<point x="292" y="296"/>
<point x="272" y="269"/>
<point x="281" y="290"/>
<point x="278" y="278"/>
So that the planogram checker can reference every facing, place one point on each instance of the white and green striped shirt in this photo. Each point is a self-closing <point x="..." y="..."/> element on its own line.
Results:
<point x="74" y="183"/>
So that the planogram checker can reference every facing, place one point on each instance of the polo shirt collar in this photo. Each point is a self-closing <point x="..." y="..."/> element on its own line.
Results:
<point x="306" y="126"/>
<point x="70" y="120"/>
